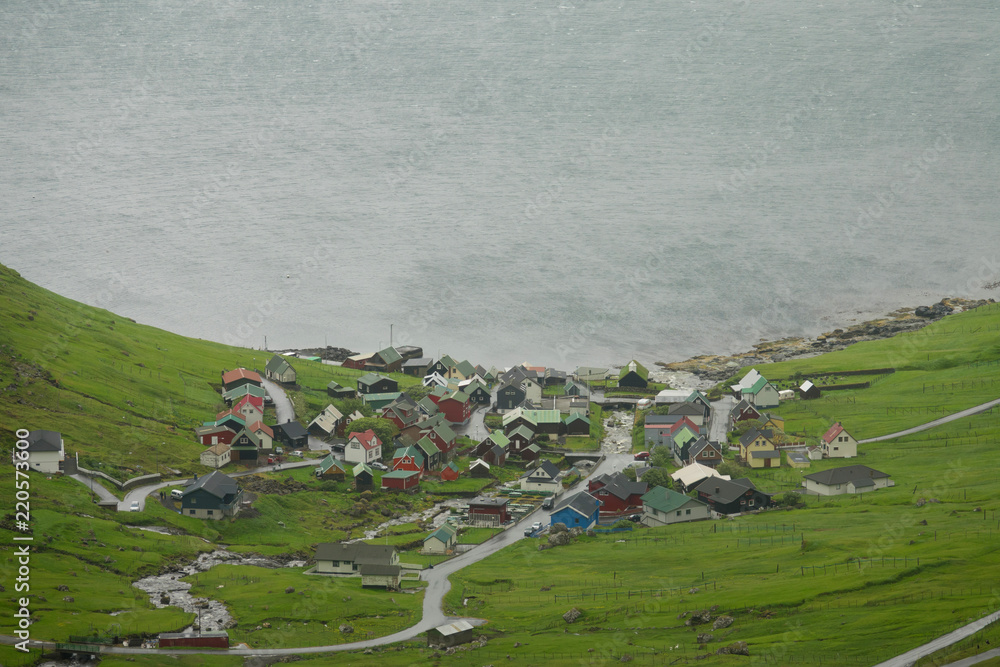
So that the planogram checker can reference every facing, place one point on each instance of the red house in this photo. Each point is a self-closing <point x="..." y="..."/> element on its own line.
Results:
<point x="488" y="512"/>
<point x="617" y="493"/>
<point x="449" y="473"/>
<point x="457" y="407"/>
<point x="408" y="458"/>
<point x="401" y="480"/>
<point x="214" y="435"/>
<point x="358" y="361"/>
<point x="402" y="412"/>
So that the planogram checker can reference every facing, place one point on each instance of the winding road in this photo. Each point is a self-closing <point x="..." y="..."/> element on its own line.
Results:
<point x="975" y="410"/>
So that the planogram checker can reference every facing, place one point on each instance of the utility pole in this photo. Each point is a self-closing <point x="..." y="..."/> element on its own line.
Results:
<point x="390" y="335"/>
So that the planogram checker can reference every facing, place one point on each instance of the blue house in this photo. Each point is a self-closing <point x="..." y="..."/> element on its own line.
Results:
<point x="578" y="511"/>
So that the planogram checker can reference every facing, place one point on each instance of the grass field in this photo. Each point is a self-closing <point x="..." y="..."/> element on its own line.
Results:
<point x="853" y="579"/>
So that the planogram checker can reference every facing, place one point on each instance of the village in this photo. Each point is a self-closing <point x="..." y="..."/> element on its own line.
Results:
<point x="682" y="462"/>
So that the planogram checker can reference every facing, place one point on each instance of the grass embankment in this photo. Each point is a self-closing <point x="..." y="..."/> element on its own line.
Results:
<point x="312" y="613"/>
<point x="123" y="394"/>
<point x="591" y="442"/>
<point x="948" y="366"/>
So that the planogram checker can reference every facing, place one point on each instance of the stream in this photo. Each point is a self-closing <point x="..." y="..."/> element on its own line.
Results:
<point x="213" y="615"/>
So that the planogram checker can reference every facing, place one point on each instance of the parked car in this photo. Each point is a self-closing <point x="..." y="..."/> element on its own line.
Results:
<point x="547" y="503"/>
<point x="642" y="456"/>
<point x="532" y="529"/>
<point x="297" y="452"/>
<point x="380" y="466"/>
<point x="635" y="517"/>
<point x="134" y="507"/>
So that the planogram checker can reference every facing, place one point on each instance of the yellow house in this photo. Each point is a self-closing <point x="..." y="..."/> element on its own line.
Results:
<point x="757" y="449"/>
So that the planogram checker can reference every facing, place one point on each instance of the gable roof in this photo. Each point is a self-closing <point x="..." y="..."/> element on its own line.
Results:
<point x="634" y="367"/>
<point x="698" y="396"/>
<point x="479" y="463"/>
<point x="372" y="378"/>
<point x="218" y="484"/>
<point x="427" y="446"/>
<point x="498" y="438"/>
<point x="367" y="438"/>
<point x="699" y="445"/>
<point x="444" y="533"/>
<point x="747" y="381"/>
<point x="666" y="500"/>
<point x="522" y="431"/>
<point x="621" y="486"/>
<point x="466" y="368"/>
<point x="427" y="405"/>
<point x="689" y="409"/>
<point x="457" y="396"/>
<point x="238" y="374"/>
<point x="576" y="416"/>
<point x="753" y="433"/>
<point x="44" y="441"/>
<point x="261" y="427"/>
<point x="361" y="468"/>
<point x="293" y="430"/>
<point x="277" y="364"/>
<point x="356" y="552"/>
<point x="389" y="355"/>
<point x="412" y="452"/>
<point x="330" y="462"/>
<point x="327" y="420"/>
<point x="855" y="473"/>
<point x="582" y="503"/>
<point x="723" y="491"/>
<point x="833" y="432"/>
<point x="690" y="474"/>
<point x="545" y="469"/>
<point x="806" y="386"/>
<point x="418" y="362"/>
<point x="244" y="390"/>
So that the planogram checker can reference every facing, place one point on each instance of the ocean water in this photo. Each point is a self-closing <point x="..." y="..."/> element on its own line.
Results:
<point x="564" y="182"/>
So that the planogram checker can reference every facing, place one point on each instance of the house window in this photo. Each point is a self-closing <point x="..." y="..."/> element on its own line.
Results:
<point x="687" y="511"/>
<point x="190" y="511"/>
<point x="210" y="512"/>
<point x="750" y="503"/>
<point x="838" y="486"/>
<point x="678" y="512"/>
<point x="836" y="449"/>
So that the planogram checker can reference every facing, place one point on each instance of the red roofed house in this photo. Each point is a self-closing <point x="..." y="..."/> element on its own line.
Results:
<point x="681" y="423"/>
<point x="239" y="377"/>
<point x="250" y="398"/>
<point x="264" y="434"/>
<point x="363" y="447"/>
<point x="838" y="443"/>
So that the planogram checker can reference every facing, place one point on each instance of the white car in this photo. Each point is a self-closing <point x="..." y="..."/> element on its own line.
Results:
<point x="134" y="507"/>
<point x="380" y="466"/>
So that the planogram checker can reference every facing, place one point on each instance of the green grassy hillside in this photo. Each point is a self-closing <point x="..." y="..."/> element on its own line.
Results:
<point x="121" y="393"/>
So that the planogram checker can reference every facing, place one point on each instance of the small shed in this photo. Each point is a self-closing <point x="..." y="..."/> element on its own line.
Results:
<point x="380" y="576"/>
<point x="797" y="459"/>
<point x="451" y="634"/>
<point x="808" y="390"/>
<point x="401" y="480"/>
<point x="479" y="468"/>
<point x="450" y="473"/>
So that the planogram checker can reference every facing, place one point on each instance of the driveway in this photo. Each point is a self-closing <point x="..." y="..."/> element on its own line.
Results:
<point x="285" y="412"/>
<point x="719" y="424"/>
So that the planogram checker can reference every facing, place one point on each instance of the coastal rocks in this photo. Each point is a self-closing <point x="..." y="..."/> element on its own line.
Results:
<point x="939" y="309"/>
<point x="716" y="368"/>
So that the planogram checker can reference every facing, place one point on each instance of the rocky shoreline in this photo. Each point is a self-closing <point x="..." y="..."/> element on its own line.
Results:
<point x="715" y="368"/>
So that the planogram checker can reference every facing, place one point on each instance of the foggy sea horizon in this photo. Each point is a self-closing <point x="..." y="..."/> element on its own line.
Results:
<point x="565" y="183"/>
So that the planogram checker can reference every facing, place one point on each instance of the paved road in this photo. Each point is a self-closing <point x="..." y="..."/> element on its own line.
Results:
<point x="438" y="584"/>
<point x="941" y="642"/>
<point x="937" y="422"/>
<point x="976" y="659"/>
<point x="285" y="412"/>
<point x="719" y="424"/>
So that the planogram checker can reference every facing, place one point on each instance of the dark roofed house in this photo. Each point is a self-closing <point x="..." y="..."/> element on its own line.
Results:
<point x="291" y="435"/>
<point x="732" y="496"/>
<point x="488" y="512"/>
<point x="212" y="496"/>
<point x="808" y="390"/>
<point x="344" y="558"/>
<point x="46" y="451"/>
<point x="577" y="424"/>
<point x="417" y="367"/>
<point x="849" y="479"/>
<point x="372" y="383"/>
<point x="279" y="370"/>
<point x="581" y="510"/>
<point x="617" y="493"/>
<point x="542" y="478"/>
<point x="335" y="390"/>
<point x="510" y="396"/>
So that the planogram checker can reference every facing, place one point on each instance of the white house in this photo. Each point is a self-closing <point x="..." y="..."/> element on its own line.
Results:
<point x="838" y="443"/>
<point x="216" y="456"/>
<point x="849" y="479"/>
<point x="542" y="478"/>
<point x="661" y="507"/>
<point x="46" y="451"/>
<point x="363" y="448"/>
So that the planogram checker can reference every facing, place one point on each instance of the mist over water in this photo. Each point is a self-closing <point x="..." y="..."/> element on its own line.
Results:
<point x="564" y="183"/>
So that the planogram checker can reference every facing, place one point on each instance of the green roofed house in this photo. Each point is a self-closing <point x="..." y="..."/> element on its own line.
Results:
<point x="465" y="369"/>
<point x="336" y="390"/>
<point x="761" y="394"/>
<point x="682" y="437"/>
<point x="441" y="541"/>
<point x="279" y="370"/>
<point x="385" y="361"/>
<point x="577" y="424"/>
<point x="364" y="478"/>
<point x="432" y="455"/>
<point x="633" y="374"/>
<point x="662" y="506"/>
<point x="331" y="468"/>
<point x="239" y="392"/>
<point x="379" y="401"/>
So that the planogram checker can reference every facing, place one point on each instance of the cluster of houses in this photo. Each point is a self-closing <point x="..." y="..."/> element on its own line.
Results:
<point x="238" y="434"/>
<point x="684" y="429"/>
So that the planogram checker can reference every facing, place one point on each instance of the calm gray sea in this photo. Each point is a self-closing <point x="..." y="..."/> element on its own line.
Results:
<point x="563" y="182"/>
